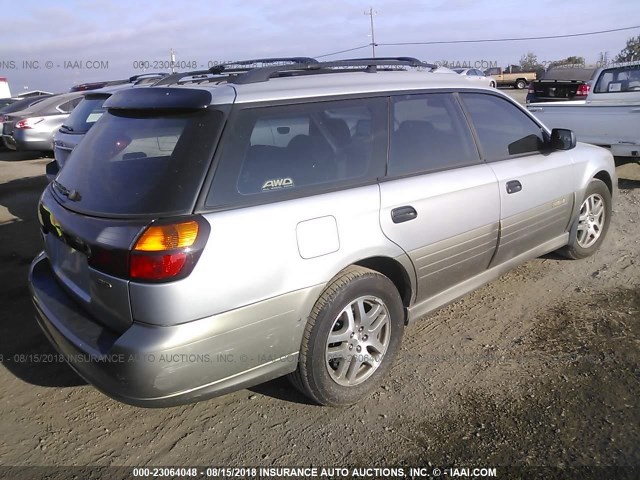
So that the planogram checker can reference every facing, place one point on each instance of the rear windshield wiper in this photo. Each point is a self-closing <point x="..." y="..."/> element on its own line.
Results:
<point x="67" y="128"/>
<point x="72" y="195"/>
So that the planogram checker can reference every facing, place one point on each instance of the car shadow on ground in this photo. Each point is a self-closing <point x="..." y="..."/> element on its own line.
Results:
<point x="24" y="350"/>
<point x="628" y="184"/>
<point x="14" y="156"/>
<point x="281" y="389"/>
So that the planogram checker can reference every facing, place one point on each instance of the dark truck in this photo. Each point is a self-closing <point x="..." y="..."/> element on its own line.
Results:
<point x="561" y="84"/>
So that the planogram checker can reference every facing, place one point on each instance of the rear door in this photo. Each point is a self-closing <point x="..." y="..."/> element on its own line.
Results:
<point x="440" y="203"/>
<point x="536" y="186"/>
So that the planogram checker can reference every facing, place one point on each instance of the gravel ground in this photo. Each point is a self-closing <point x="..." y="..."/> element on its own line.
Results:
<point x="538" y="368"/>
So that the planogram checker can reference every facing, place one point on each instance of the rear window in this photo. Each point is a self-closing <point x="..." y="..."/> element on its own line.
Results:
<point x="141" y="163"/>
<point x="619" y="80"/>
<point x="84" y="115"/>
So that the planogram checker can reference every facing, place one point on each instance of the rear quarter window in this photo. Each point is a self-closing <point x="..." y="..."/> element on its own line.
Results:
<point x="273" y="152"/>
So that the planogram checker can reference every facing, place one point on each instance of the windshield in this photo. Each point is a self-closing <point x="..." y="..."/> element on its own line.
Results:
<point x="84" y="115"/>
<point x="140" y="163"/>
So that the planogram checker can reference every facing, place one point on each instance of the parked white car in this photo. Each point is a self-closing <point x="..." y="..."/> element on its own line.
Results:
<point x="608" y="117"/>
<point x="476" y="76"/>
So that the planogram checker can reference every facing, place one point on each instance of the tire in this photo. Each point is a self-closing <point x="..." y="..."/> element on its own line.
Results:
<point x="520" y="84"/>
<point x="592" y="222"/>
<point x="344" y="371"/>
<point x="492" y="84"/>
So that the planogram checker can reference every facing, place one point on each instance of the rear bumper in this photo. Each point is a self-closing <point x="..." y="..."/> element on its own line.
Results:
<point x="29" y="139"/>
<point x="158" y="366"/>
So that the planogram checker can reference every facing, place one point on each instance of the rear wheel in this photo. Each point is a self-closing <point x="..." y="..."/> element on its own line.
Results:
<point x="520" y="84"/>
<point x="351" y="338"/>
<point x="592" y="222"/>
<point x="492" y="84"/>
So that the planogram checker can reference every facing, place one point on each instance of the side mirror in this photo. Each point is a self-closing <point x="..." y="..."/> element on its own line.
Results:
<point x="562" y="139"/>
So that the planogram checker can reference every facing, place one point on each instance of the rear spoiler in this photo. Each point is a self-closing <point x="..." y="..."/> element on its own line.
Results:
<point x="159" y="98"/>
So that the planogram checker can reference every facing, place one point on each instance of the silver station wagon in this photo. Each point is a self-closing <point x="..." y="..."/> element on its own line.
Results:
<point x="290" y="217"/>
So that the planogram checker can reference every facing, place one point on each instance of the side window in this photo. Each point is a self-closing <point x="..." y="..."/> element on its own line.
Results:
<point x="618" y="80"/>
<point x="429" y="133"/>
<point x="503" y="129"/>
<point x="308" y="147"/>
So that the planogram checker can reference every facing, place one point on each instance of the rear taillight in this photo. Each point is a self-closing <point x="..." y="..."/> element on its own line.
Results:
<point x="531" y="88"/>
<point x="164" y="251"/>
<point x="583" y="90"/>
<point x="168" y="251"/>
<point x="28" y="122"/>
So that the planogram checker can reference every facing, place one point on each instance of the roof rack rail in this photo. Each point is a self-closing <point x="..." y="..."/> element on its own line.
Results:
<point x="246" y="71"/>
<point x="175" y="77"/>
<point x="257" y="75"/>
<point x="223" y="67"/>
<point x="373" y="63"/>
<point x="384" y="59"/>
<point x="240" y="66"/>
<point x="145" y="75"/>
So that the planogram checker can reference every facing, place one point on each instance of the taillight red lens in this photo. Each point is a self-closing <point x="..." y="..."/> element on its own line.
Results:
<point x="583" y="90"/>
<point x="531" y="88"/>
<point x="156" y="266"/>
<point x="28" y="123"/>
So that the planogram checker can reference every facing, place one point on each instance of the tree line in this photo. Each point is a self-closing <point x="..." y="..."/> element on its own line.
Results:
<point x="529" y="61"/>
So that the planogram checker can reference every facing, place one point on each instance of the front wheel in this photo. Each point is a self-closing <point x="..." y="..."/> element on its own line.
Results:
<point x="351" y="338"/>
<point x="592" y="222"/>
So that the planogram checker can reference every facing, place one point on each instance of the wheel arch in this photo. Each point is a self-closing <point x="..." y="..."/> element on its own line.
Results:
<point x="394" y="271"/>
<point x="604" y="176"/>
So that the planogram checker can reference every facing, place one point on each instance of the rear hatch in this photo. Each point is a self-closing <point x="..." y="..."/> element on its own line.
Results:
<point x="83" y="117"/>
<point x="143" y="163"/>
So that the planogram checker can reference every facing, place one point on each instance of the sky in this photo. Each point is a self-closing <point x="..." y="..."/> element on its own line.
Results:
<point x="54" y="45"/>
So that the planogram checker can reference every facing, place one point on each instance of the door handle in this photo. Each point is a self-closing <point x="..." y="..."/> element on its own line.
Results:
<point x="514" y="186"/>
<point x="536" y="109"/>
<point x="403" y="214"/>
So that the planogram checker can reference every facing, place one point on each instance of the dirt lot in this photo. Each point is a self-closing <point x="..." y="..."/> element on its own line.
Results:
<point x="539" y="368"/>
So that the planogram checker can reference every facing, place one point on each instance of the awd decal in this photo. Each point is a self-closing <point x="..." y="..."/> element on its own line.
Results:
<point x="277" y="183"/>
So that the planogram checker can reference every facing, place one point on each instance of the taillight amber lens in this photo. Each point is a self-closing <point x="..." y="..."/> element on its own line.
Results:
<point x="168" y="237"/>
